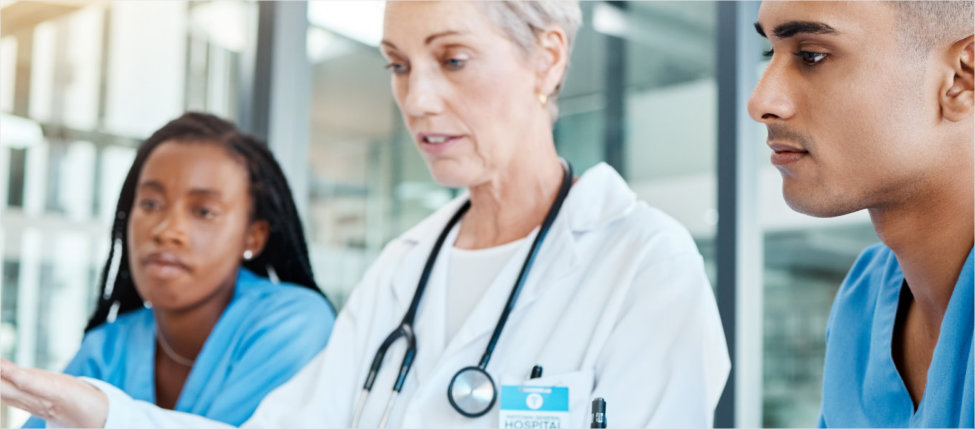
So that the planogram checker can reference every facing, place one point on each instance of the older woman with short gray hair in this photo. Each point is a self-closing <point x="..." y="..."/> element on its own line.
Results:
<point x="531" y="294"/>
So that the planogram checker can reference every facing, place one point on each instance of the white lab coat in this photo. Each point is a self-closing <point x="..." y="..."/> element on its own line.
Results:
<point x="617" y="306"/>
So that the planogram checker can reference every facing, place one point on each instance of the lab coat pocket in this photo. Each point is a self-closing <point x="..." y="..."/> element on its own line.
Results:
<point x="580" y="385"/>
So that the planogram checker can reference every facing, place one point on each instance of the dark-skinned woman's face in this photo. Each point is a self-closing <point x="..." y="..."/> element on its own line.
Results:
<point x="190" y="225"/>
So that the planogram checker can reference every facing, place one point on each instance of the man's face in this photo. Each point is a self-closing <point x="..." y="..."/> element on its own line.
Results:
<point x="846" y="108"/>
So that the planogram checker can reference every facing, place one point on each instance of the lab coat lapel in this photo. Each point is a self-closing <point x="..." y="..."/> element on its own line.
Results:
<point x="407" y="276"/>
<point x="431" y="323"/>
<point x="430" y="319"/>
<point x="555" y="260"/>
<point x="420" y="240"/>
<point x="598" y="197"/>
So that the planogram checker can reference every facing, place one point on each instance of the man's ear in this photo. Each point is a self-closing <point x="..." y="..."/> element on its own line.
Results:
<point x="957" y="96"/>
<point x="257" y="235"/>
<point x="552" y="59"/>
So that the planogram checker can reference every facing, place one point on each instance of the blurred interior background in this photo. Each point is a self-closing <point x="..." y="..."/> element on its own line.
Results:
<point x="82" y="82"/>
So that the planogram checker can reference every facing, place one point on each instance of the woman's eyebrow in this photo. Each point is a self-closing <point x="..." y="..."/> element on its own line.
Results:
<point x="429" y="39"/>
<point x="152" y="184"/>
<point x="433" y="37"/>
<point x="205" y="192"/>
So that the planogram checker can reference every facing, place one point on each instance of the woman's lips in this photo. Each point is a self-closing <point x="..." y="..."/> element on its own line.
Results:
<point x="435" y="143"/>
<point x="164" y="266"/>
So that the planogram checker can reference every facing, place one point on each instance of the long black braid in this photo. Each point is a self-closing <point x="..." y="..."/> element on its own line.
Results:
<point x="286" y="250"/>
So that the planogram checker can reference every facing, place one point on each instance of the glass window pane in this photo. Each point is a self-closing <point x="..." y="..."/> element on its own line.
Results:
<point x="669" y="104"/>
<point x="145" y="85"/>
<point x="73" y="116"/>
<point x="8" y="67"/>
<point x="368" y="184"/>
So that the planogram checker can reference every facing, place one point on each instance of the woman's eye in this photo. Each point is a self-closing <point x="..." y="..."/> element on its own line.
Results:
<point x="205" y="213"/>
<point x="455" y="63"/>
<point x="148" y="205"/>
<point x="810" y="58"/>
<point x="396" y="68"/>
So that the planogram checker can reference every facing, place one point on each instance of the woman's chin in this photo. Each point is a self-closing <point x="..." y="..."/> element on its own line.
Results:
<point x="452" y="176"/>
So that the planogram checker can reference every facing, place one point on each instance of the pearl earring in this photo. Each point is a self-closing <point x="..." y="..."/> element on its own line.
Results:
<point x="542" y="98"/>
<point x="248" y="255"/>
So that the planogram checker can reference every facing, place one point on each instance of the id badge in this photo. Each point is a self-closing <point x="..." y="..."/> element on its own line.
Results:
<point x="534" y="407"/>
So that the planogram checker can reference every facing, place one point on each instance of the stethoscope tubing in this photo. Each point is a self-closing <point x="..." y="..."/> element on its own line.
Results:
<point x="543" y="230"/>
<point x="405" y="329"/>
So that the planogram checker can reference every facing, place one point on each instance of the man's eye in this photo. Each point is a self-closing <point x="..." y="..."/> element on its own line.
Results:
<point x="810" y="58"/>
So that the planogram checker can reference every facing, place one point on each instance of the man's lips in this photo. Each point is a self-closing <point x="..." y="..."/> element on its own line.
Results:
<point x="784" y="154"/>
<point x="780" y="147"/>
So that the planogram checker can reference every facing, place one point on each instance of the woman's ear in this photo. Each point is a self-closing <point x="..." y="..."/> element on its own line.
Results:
<point x="257" y="234"/>
<point x="552" y="59"/>
<point x="957" y="97"/>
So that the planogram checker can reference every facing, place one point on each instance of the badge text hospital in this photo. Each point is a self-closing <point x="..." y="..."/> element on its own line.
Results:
<point x="534" y="407"/>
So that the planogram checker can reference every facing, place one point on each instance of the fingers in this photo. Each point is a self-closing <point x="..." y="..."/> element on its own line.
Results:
<point x="12" y="375"/>
<point x="57" y="398"/>
<point x="6" y="367"/>
<point x="17" y="378"/>
<point x="35" y="391"/>
<point x="18" y="398"/>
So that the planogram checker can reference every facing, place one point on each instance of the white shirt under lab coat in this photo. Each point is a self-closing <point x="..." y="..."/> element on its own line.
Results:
<point x="617" y="306"/>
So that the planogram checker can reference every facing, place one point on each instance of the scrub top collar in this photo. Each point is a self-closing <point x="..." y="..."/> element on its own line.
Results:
<point x="957" y="318"/>
<point x="196" y="381"/>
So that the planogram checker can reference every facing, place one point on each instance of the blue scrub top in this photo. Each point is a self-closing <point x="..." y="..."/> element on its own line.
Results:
<point x="267" y="333"/>
<point x="861" y="384"/>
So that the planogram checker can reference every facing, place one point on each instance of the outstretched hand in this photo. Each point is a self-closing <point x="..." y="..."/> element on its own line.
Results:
<point x="59" y="399"/>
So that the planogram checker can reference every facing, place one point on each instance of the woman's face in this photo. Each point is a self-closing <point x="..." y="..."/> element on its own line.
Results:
<point x="189" y="225"/>
<point x="467" y="93"/>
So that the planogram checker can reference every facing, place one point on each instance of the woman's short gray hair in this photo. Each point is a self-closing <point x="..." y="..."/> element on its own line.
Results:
<point x="523" y="21"/>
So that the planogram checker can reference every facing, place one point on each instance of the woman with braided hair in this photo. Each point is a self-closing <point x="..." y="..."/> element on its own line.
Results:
<point x="204" y="219"/>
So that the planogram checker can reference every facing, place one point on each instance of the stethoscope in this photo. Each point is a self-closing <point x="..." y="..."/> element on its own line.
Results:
<point x="472" y="391"/>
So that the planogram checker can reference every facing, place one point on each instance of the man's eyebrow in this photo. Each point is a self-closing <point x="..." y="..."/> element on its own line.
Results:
<point x="759" y="29"/>
<point x="792" y="28"/>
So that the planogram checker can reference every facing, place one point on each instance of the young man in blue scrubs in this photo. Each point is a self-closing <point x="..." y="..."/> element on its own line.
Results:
<point x="869" y="105"/>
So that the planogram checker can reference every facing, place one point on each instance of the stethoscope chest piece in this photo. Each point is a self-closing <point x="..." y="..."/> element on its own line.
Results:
<point x="472" y="392"/>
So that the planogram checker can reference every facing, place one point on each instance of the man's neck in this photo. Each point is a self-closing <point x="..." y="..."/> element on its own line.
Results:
<point x="931" y="237"/>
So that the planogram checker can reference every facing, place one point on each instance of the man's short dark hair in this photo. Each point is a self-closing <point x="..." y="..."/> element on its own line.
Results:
<point x="924" y="25"/>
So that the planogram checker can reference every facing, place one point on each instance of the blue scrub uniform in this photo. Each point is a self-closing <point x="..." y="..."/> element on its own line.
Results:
<point x="861" y="384"/>
<point x="267" y="333"/>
